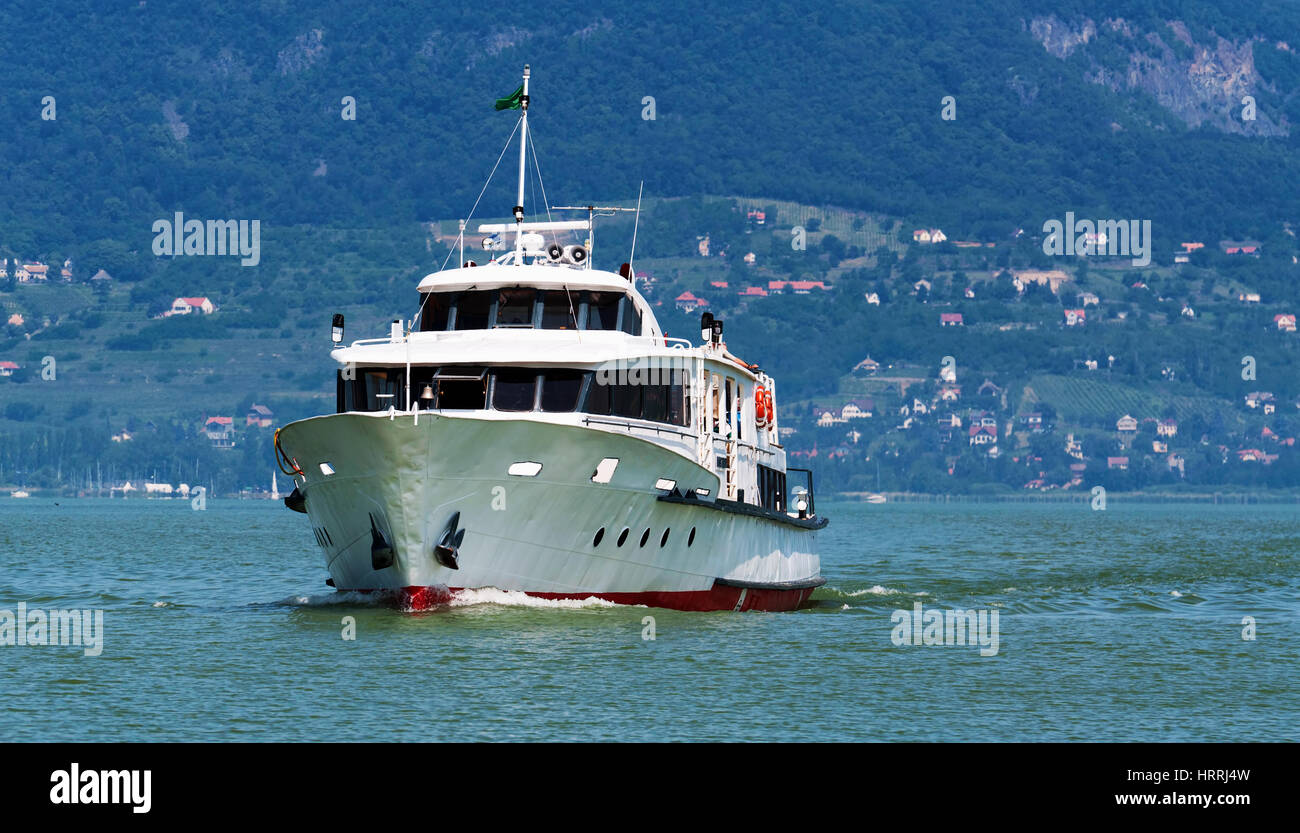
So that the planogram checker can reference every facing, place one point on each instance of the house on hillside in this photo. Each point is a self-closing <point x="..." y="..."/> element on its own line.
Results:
<point x="826" y="417"/>
<point x="31" y="272"/>
<point x="1256" y="399"/>
<point x="687" y="302"/>
<point x="259" y="416"/>
<point x="1285" y="322"/>
<point x="1167" y="428"/>
<point x="868" y="365"/>
<point x="982" y="435"/>
<point x="1117" y="463"/>
<point x="1126" y="424"/>
<point x="1240" y="247"/>
<point x="1050" y="278"/>
<point x="858" y="409"/>
<point x="7" y="368"/>
<point x="1075" y="317"/>
<point x="753" y="292"/>
<point x="873" y="298"/>
<point x="189" y="306"/>
<point x="950" y="319"/>
<point x="1032" y="421"/>
<point x="220" y="431"/>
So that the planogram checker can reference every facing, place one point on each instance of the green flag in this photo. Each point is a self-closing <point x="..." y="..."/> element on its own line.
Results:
<point x="512" y="101"/>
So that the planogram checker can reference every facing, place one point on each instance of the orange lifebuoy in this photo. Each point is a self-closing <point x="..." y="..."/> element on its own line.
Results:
<point x="760" y="408"/>
<point x="767" y="406"/>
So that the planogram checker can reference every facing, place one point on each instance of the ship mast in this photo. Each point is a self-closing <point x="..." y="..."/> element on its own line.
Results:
<point x="523" y="147"/>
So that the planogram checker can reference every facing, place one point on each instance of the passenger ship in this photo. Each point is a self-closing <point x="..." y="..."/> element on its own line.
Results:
<point x="533" y="429"/>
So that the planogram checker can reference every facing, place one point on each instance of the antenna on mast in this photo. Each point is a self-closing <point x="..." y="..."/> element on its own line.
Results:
<point x="523" y="147"/>
<point x="593" y="211"/>
<point x="631" y="258"/>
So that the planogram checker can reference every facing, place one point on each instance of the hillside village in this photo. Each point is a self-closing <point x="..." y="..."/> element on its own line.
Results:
<point x="1044" y="385"/>
<point x="974" y="427"/>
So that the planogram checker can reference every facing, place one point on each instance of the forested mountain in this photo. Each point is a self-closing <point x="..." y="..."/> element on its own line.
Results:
<point x="235" y="110"/>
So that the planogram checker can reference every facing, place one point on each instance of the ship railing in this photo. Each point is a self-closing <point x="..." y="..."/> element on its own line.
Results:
<point x="639" y="426"/>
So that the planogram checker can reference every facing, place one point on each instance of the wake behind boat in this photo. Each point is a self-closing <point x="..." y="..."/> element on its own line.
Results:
<point x="533" y="429"/>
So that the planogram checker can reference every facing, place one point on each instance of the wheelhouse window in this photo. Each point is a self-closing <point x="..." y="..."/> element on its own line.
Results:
<point x="560" y="309"/>
<point x="668" y="403"/>
<point x="514" y="390"/>
<point x="370" y="389"/>
<point x="631" y="319"/>
<point x="474" y="310"/>
<point x="515" y="307"/>
<point x="526" y="307"/>
<point x="460" y="388"/>
<point x="602" y="310"/>
<point x="562" y="390"/>
<point x="435" y="310"/>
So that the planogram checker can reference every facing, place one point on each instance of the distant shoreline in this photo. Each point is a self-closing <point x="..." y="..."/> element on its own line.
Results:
<point x="1081" y="497"/>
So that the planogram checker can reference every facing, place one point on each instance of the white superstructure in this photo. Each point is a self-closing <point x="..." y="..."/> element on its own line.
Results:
<point x="532" y="428"/>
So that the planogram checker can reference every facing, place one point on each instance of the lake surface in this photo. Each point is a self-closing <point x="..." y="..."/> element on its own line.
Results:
<point x="1123" y="624"/>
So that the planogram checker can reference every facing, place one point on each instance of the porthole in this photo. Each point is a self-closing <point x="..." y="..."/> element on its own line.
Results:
<point x="690" y="540"/>
<point x="663" y="542"/>
<point x="622" y="536"/>
<point x="645" y="536"/>
<point x="600" y="533"/>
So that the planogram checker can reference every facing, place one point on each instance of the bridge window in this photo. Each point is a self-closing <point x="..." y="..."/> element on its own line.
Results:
<point x="550" y="309"/>
<point x="515" y="307"/>
<point x="560" y="309"/>
<point x="460" y="388"/>
<point x="514" y="390"/>
<point x="435" y="311"/>
<point x="626" y="400"/>
<point x="602" y="310"/>
<point x="474" y="310"/>
<point x="561" y="389"/>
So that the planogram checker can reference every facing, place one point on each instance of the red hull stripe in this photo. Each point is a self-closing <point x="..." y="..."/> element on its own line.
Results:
<point x="717" y="598"/>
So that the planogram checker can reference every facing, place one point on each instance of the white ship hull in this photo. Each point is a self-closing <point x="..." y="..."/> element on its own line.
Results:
<point x="407" y="476"/>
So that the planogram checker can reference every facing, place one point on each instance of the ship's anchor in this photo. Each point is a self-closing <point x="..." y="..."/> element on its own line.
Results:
<point x="447" y="550"/>
<point x="381" y="552"/>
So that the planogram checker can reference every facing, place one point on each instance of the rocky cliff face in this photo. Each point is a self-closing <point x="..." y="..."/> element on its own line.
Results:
<point x="1200" y="83"/>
